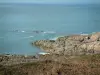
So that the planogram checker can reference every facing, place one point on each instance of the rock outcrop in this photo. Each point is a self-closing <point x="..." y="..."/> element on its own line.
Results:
<point x="72" y="45"/>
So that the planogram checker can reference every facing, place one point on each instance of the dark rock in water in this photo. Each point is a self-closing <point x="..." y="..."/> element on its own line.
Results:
<point x="72" y="45"/>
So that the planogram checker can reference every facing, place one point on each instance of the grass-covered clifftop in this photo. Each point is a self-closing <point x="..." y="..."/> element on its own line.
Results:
<point x="56" y="65"/>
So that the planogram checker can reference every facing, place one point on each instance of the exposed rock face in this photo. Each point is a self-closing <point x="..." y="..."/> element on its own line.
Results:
<point x="95" y="36"/>
<point x="72" y="45"/>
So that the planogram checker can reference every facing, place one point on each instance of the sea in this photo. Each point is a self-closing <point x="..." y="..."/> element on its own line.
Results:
<point x="22" y="24"/>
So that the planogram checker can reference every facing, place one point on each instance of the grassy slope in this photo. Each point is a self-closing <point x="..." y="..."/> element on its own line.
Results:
<point x="79" y="65"/>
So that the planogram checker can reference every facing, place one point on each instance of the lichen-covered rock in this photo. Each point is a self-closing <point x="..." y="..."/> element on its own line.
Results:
<point x="91" y="47"/>
<point x="95" y="36"/>
<point x="72" y="45"/>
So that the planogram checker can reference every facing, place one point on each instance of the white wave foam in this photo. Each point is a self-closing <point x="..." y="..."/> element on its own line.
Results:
<point x="43" y="53"/>
<point x="35" y="31"/>
<point x="49" y="32"/>
<point x="84" y="34"/>
<point x="53" y="38"/>
<point x="29" y="37"/>
<point x="22" y="31"/>
<point x="81" y="33"/>
<point x="18" y="31"/>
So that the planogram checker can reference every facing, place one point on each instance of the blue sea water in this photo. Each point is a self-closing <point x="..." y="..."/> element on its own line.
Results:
<point x="20" y="25"/>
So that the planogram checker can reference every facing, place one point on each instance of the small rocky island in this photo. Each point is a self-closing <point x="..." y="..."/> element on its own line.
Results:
<point x="72" y="44"/>
<point x="67" y="55"/>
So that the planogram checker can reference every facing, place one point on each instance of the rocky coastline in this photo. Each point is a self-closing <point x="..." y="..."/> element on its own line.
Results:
<point x="67" y="55"/>
<point x="71" y="45"/>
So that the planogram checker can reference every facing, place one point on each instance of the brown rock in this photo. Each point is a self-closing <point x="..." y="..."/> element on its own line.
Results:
<point x="71" y="45"/>
<point x="95" y="36"/>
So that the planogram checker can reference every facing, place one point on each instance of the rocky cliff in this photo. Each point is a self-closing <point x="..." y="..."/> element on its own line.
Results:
<point x="72" y="44"/>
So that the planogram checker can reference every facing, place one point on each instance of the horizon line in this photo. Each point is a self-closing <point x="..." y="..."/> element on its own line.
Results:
<point x="53" y="3"/>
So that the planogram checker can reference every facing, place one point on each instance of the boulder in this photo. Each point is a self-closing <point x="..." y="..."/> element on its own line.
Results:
<point x="95" y="36"/>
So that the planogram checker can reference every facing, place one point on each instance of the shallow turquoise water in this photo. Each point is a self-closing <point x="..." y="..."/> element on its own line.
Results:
<point x="22" y="24"/>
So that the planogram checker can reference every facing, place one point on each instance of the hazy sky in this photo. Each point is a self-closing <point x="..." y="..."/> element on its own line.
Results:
<point x="51" y="1"/>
